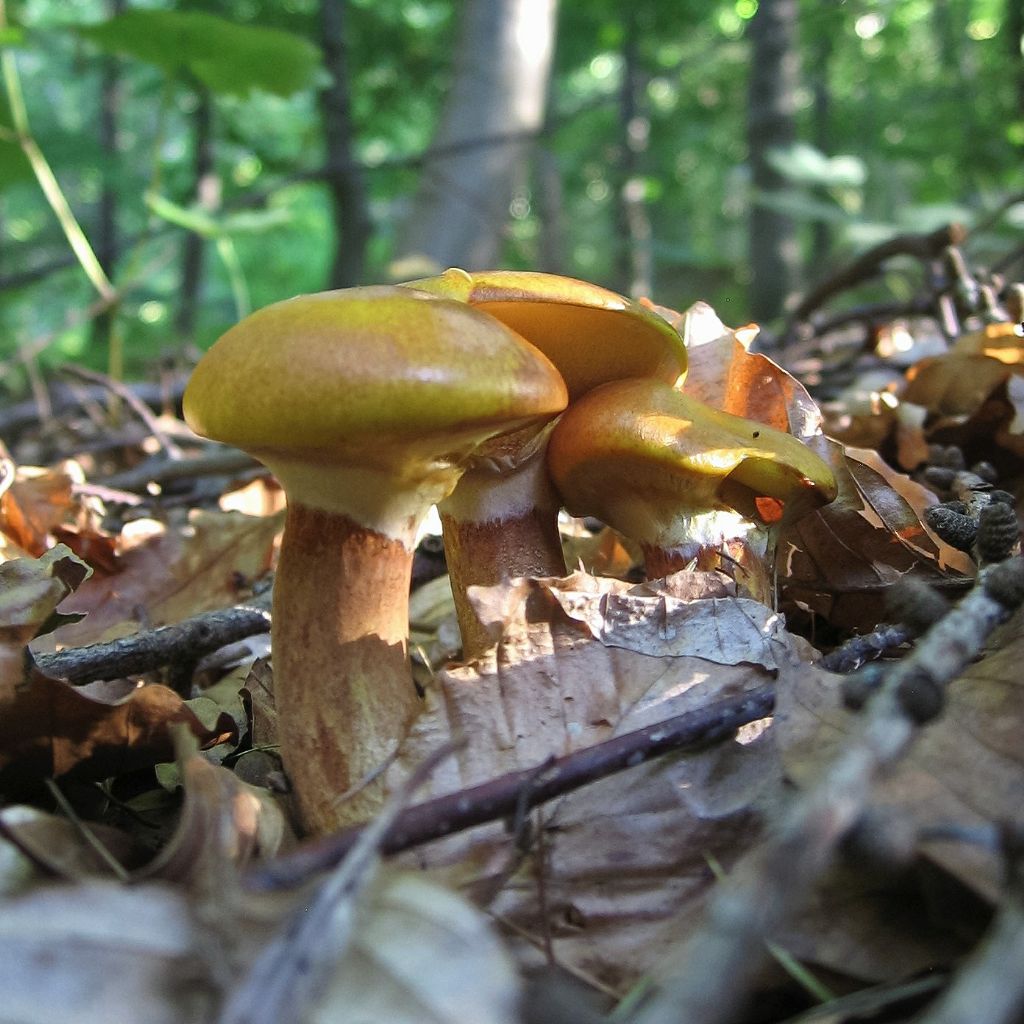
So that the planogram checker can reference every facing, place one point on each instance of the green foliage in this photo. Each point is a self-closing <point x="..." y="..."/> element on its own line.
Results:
<point x="226" y="57"/>
<point x="923" y="120"/>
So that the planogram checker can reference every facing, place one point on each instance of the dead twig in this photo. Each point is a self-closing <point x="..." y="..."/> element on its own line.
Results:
<point x="922" y="246"/>
<point x="520" y="791"/>
<point x="118" y="388"/>
<point x="155" y="648"/>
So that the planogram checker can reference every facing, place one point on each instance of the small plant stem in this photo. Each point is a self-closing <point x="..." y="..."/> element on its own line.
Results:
<point x="54" y="195"/>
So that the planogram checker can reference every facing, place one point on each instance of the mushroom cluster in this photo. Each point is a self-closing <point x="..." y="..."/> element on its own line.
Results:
<point x="365" y="404"/>
<point x="372" y="404"/>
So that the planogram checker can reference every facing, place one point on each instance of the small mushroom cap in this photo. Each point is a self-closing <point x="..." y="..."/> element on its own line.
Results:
<point x="591" y="334"/>
<point x="378" y="376"/>
<point x="640" y="455"/>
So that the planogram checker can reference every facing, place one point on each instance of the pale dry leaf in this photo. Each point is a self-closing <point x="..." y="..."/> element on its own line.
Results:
<point x="57" y="847"/>
<point x="421" y="954"/>
<point x="98" y="952"/>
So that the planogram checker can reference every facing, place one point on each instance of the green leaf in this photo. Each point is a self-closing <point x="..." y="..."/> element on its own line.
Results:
<point x="226" y="57"/>
<point x="804" y="165"/>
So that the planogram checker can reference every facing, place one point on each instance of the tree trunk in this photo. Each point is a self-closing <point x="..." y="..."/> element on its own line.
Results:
<point x="496" y="102"/>
<point x="824" y="46"/>
<point x="634" y="261"/>
<point x="352" y="225"/>
<point x="774" y="250"/>
<point x="193" y="256"/>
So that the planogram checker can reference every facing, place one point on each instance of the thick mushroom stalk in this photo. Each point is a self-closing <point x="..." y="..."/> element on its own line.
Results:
<point x="501" y="521"/>
<point x="365" y="404"/>
<point x="659" y="467"/>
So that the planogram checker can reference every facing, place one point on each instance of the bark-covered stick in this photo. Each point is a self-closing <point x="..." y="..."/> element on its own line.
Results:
<point x="714" y="968"/>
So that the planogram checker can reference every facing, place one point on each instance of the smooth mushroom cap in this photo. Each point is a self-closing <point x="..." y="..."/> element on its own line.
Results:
<point x="591" y="334"/>
<point x="381" y="380"/>
<point x="640" y="455"/>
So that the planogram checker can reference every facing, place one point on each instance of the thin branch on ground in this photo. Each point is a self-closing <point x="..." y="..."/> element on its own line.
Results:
<point x="522" y="790"/>
<point x="922" y="246"/>
<point x="711" y="974"/>
<point x="168" y="446"/>
<point x="156" y="648"/>
<point x="859" y="650"/>
<point x="213" y="462"/>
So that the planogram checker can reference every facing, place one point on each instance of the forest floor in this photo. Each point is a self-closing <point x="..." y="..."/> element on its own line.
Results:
<point x="650" y="801"/>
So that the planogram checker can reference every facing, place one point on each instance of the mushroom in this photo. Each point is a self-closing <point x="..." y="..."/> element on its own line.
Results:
<point x="660" y="467"/>
<point x="501" y="521"/>
<point x="365" y="404"/>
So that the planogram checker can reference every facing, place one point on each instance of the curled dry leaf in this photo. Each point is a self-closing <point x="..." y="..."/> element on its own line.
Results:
<point x="54" y="846"/>
<point x="724" y="375"/>
<point x="838" y="561"/>
<point x="49" y="728"/>
<point x="224" y="823"/>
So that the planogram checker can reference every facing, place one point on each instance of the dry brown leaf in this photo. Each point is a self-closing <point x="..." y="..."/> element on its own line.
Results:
<point x="49" y="728"/>
<point x="726" y="376"/>
<point x="170" y="574"/>
<point x="955" y="385"/>
<point x="628" y="853"/>
<point x="838" y="561"/>
<point x="57" y="847"/>
<point x="36" y="502"/>
<point x="967" y="768"/>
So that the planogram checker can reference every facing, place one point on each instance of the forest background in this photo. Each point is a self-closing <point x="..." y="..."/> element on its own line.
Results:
<point x="217" y="156"/>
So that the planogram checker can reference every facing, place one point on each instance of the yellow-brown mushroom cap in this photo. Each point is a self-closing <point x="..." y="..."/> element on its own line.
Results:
<point x="375" y="375"/>
<point x="639" y="455"/>
<point x="591" y="334"/>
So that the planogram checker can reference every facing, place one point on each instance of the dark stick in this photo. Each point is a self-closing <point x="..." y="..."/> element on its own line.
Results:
<point x="154" y="648"/>
<point x="923" y="246"/>
<point x="522" y="790"/>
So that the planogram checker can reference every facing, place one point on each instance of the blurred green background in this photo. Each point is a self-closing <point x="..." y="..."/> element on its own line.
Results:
<point x="219" y="156"/>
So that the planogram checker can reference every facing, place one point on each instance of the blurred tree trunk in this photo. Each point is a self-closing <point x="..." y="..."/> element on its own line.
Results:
<point x="193" y="256"/>
<point x="824" y="47"/>
<point x="550" y="211"/>
<point x="1015" y="35"/>
<point x="774" y="249"/>
<point x="352" y="225"/>
<point x="634" y="259"/>
<point x="107" y="247"/>
<point x="496" y="102"/>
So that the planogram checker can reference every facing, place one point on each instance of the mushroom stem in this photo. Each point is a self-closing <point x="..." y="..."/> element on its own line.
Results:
<point x="343" y="688"/>
<point x="499" y="524"/>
